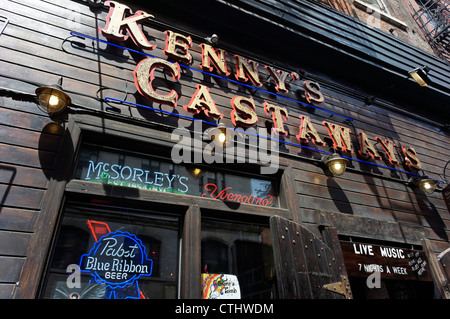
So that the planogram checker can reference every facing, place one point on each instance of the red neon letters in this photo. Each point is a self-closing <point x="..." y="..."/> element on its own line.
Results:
<point x="227" y="195"/>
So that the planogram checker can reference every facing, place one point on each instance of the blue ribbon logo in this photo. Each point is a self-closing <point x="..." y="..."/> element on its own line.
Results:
<point x="118" y="260"/>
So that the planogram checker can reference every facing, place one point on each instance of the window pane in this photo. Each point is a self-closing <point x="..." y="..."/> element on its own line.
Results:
<point x="124" y="254"/>
<point x="242" y="250"/>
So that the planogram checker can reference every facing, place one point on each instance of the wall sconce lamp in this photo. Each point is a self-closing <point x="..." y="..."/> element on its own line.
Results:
<point x="335" y="163"/>
<point x="420" y="75"/>
<point x="52" y="99"/>
<point x="427" y="185"/>
<point x="213" y="40"/>
<point x="221" y="135"/>
<point x="196" y="172"/>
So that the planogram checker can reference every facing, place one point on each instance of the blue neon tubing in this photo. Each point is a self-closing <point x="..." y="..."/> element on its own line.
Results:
<point x="211" y="74"/>
<point x="107" y="99"/>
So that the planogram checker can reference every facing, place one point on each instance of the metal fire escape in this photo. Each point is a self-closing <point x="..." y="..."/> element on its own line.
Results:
<point x="433" y="17"/>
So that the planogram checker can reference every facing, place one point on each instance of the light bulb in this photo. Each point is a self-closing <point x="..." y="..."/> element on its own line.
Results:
<point x="53" y="100"/>
<point x="337" y="166"/>
<point x="222" y="137"/>
<point x="427" y="185"/>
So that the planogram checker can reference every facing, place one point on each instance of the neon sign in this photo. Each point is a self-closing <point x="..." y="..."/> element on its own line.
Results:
<point x="145" y="173"/>
<point x="123" y="175"/>
<point x="227" y="195"/>
<point x="118" y="260"/>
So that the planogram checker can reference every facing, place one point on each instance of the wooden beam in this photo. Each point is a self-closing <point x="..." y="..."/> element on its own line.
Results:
<point x="190" y="283"/>
<point x="439" y="278"/>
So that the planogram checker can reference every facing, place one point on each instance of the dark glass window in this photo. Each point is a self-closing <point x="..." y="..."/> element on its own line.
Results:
<point x="107" y="238"/>
<point x="241" y="250"/>
<point x="119" y="168"/>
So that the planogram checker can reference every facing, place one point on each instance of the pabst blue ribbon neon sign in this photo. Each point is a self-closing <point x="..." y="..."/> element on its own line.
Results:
<point x="118" y="260"/>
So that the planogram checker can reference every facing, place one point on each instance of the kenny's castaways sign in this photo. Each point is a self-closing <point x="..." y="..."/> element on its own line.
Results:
<point x="122" y="23"/>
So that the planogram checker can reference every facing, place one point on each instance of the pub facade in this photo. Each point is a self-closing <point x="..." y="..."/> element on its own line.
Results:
<point x="240" y="150"/>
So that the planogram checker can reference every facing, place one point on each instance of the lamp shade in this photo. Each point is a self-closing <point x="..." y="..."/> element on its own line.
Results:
<point x="427" y="185"/>
<point x="52" y="99"/>
<point x="420" y="76"/>
<point x="336" y="164"/>
<point x="196" y="172"/>
<point x="213" y="40"/>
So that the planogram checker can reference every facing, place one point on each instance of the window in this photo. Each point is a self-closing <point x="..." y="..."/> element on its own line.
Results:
<point x="120" y="253"/>
<point x="378" y="10"/>
<point x="127" y="242"/>
<point x="377" y="4"/>
<point x="243" y="251"/>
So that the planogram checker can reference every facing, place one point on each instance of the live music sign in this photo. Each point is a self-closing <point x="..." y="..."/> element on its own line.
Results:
<point x="363" y="259"/>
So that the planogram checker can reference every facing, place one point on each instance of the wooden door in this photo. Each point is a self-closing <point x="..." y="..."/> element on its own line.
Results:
<point x="306" y="267"/>
<point x="440" y="268"/>
<point x="444" y="263"/>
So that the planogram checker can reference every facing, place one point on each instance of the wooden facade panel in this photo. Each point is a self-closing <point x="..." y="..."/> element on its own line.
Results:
<point x="27" y="157"/>
<point x="436" y="227"/>
<point x="352" y="182"/>
<point x="437" y="235"/>
<point x="7" y="291"/>
<point x="10" y="268"/>
<point x="308" y="202"/>
<point x="370" y="227"/>
<point x="422" y="214"/>
<point x="36" y="140"/>
<point x="383" y="121"/>
<point x="16" y="118"/>
<point x="56" y="69"/>
<point x="21" y="197"/>
<point x="13" y="243"/>
<point x="59" y="12"/>
<point x="17" y="219"/>
<point x="335" y="192"/>
<point x="310" y="176"/>
<point x="23" y="176"/>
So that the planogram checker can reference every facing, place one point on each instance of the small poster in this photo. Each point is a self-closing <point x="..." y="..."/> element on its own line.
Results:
<point x="220" y="286"/>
